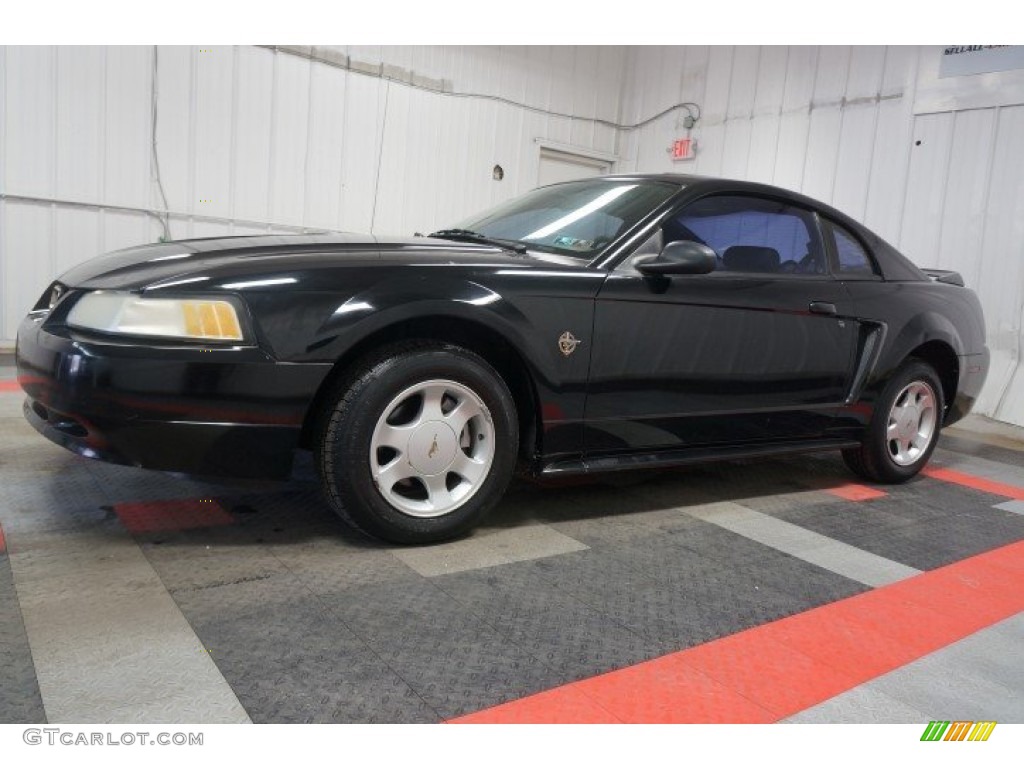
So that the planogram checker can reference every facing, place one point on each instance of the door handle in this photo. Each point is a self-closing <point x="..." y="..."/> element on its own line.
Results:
<point x="823" y="308"/>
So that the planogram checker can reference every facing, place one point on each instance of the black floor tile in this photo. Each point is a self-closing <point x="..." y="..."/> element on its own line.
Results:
<point x="453" y="659"/>
<point x="299" y="662"/>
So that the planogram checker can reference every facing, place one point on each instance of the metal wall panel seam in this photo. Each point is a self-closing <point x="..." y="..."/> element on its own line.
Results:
<point x="193" y="107"/>
<point x="1018" y="353"/>
<point x="818" y="70"/>
<point x="782" y="96"/>
<point x="309" y="140"/>
<point x="154" y="117"/>
<point x="1015" y="374"/>
<point x="55" y="89"/>
<point x="341" y="152"/>
<point x="101" y="228"/>
<point x="798" y="108"/>
<point x="842" y="121"/>
<point x="714" y="115"/>
<point x="521" y="119"/>
<point x="945" y="184"/>
<point x="380" y="156"/>
<point x="874" y="129"/>
<point x="497" y="124"/>
<point x="988" y="187"/>
<point x="272" y="145"/>
<point x="629" y="67"/>
<point x="233" y="159"/>
<point x="910" y="155"/>
<point x="753" y="103"/>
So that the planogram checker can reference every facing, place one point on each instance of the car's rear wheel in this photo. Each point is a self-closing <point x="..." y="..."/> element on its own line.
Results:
<point x="904" y="429"/>
<point x="420" y="442"/>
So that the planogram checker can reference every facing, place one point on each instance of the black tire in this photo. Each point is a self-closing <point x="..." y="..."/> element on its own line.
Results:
<point x="873" y="459"/>
<point x="343" y="448"/>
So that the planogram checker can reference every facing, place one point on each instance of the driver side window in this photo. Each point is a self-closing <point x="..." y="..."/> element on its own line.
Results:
<point x="751" y="235"/>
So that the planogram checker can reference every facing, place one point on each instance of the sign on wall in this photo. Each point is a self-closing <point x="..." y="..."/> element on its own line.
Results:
<point x="960" y="60"/>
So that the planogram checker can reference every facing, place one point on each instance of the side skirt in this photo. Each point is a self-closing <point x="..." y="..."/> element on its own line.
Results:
<point x="679" y="457"/>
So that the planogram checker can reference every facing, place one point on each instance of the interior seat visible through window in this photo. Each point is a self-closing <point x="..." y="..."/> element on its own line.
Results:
<point x="751" y="234"/>
<point x="751" y="258"/>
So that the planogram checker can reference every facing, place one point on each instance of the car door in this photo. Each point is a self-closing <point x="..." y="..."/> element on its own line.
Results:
<point x="760" y="349"/>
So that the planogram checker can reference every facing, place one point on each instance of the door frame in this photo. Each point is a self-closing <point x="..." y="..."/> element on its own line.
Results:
<point x="572" y="153"/>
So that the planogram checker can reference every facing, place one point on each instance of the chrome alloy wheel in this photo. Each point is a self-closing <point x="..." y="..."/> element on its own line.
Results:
<point x="432" y="448"/>
<point x="912" y="423"/>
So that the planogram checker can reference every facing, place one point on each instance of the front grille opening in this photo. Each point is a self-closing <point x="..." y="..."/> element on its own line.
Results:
<point x="60" y="422"/>
<point x="69" y="426"/>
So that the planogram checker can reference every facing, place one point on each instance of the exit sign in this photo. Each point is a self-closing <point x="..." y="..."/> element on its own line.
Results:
<point x="684" y="149"/>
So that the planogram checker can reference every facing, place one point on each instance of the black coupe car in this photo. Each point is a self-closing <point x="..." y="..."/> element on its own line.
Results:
<point x="605" y="324"/>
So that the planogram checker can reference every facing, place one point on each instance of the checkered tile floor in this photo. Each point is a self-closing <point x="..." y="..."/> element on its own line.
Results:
<point x="128" y="596"/>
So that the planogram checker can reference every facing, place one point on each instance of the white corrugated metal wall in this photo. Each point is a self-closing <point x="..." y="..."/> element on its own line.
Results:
<point x="252" y="140"/>
<point x="255" y="140"/>
<point x="935" y="167"/>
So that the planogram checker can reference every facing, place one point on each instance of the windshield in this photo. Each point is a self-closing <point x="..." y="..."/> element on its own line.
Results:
<point x="578" y="218"/>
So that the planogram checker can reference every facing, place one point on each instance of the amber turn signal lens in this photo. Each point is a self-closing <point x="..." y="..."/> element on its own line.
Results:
<point x="211" y="320"/>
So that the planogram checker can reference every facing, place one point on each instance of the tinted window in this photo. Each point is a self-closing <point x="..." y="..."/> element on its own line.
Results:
<point x="853" y="259"/>
<point x="751" y="235"/>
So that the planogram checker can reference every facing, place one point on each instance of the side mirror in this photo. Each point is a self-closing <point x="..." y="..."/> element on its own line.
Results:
<point x="682" y="257"/>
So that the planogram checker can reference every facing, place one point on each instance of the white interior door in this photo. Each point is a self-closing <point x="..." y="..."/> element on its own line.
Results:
<point x="557" y="166"/>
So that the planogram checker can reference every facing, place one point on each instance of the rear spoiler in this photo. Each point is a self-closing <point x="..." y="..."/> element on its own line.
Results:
<point x="945" y="276"/>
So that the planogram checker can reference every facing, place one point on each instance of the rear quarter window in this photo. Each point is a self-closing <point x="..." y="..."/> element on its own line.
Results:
<point x="852" y="258"/>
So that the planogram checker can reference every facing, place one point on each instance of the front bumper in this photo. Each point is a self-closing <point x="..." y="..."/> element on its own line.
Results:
<point x="229" y="411"/>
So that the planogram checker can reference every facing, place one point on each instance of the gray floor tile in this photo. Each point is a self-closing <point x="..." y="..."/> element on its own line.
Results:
<point x="20" y="701"/>
<point x="1016" y="506"/>
<point x="486" y="548"/>
<point x="937" y="686"/>
<point x="861" y="705"/>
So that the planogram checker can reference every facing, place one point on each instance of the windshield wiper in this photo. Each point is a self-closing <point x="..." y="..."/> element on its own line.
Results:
<point x="469" y="236"/>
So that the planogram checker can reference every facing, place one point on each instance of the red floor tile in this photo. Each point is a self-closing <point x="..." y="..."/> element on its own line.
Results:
<point x="845" y="643"/>
<point x="855" y="492"/>
<point x="769" y="673"/>
<point x="154" y="516"/>
<point x="973" y="481"/>
<point x="671" y="690"/>
<point x="559" y="705"/>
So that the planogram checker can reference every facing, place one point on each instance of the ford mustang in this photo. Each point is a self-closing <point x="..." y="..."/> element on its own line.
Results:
<point x="590" y="326"/>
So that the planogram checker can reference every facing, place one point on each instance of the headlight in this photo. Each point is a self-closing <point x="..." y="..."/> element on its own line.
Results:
<point x="201" y="319"/>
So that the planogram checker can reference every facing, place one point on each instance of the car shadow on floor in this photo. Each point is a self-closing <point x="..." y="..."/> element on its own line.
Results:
<point x="154" y="508"/>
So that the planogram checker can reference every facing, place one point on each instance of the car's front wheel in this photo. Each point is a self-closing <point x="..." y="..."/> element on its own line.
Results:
<point x="904" y="429"/>
<point x="419" y="444"/>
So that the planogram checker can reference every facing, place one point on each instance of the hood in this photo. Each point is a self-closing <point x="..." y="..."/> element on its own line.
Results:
<point x="253" y="257"/>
